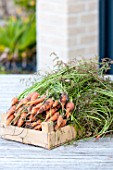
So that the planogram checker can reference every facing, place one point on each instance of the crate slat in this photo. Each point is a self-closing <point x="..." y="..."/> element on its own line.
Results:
<point x="47" y="138"/>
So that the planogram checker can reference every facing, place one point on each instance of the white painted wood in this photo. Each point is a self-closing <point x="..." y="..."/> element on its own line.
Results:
<point x="83" y="155"/>
<point x="10" y="86"/>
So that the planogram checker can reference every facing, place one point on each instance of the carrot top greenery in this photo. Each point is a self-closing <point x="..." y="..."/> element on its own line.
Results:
<point x="84" y="85"/>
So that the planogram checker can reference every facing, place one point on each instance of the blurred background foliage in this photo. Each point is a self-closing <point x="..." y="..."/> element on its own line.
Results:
<point x="27" y="4"/>
<point x="18" y="39"/>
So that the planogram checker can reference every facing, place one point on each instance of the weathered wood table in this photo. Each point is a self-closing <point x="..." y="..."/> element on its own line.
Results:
<point x="90" y="155"/>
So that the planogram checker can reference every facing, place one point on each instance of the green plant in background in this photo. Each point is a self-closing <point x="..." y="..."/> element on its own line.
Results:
<point x="27" y="41"/>
<point x="27" y="4"/>
<point x="19" y="37"/>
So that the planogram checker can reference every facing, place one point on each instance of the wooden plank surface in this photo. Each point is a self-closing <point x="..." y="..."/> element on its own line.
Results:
<point x="82" y="155"/>
<point x="10" y="86"/>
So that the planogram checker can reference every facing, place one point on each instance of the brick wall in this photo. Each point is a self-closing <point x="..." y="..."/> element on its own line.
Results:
<point x="68" y="28"/>
<point x="83" y="34"/>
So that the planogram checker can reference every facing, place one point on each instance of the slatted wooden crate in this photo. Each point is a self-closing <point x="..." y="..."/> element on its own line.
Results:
<point x="47" y="138"/>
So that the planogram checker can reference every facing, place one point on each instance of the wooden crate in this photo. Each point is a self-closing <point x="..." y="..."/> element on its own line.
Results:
<point x="47" y="138"/>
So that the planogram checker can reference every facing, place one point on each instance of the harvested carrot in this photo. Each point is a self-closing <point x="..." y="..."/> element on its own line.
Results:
<point x="32" y="125"/>
<point x="22" y="102"/>
<point x="37" y="101"/>
<point x="29" y="96"/>
<point x="46" y="106"/>
<point x="39" y="121"/>
<point x="38" y="105"/>
<point x="11" y="111"/>
<point x="56" y="103"/>
<point x="21" y="119"/>
<point x="54" y="117"/>
<point x="14" y="101"/>
<point x="32" y="118"/>
<point x="19" y="110"/>
<point x="34" y="96"/>
<point x="69" y="108"/>
<point x="17" y="115"/>
<point x="38" y="127"/>
<point x="98" y="136"/>
<point x="34" y="110"/>
<point x="51" y="112"/>
<point x="63" y="100"/>
<point x="9" y="119"/>
<point x="62" y="124"/>
<point x="59" y="121"/>
<point x="29" y="108"/>
<point x="36" y="123"/>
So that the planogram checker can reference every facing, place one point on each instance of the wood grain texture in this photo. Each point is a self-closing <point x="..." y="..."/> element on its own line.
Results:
<point x="82" y="155"/>
<point x="10" y="86"/>
<point x="47" y="138"/>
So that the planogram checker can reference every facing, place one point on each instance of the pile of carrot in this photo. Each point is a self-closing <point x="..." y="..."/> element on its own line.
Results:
<point x="72" y="94"/>
<point x="34" y="109"/>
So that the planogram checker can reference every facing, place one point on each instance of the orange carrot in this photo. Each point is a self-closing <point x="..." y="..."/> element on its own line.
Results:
<point x="17" y="115"/>
<point x="47" y="105"/>
<point x="11" y="111"/>
<point x="21" y="119"/>
<point x="37" y="101"/>
<point x="29" y="108"/>
<point x="32" y="125"/>
<point x="39" y="121"/>
<point x="51" y="112"/>
<point x="38" y="105"/>
<point x="59" y="121"/>
<point x="56" y="103"/>
<point x="29" y="96"/>
<point x="34" y="96"/>
<point x="22" y="102"/>
<point x="62" y="124"/>
<point x="14" y="101"/>
<point x="18" y="111"/>
<point x="38" y="127"/>
<point x="69" y="108"/>
<point x="32" y="118"/>
<point x="36" y="123"/>
<point x="34" y="110"/>
<point x="98" y="136"/>
<point x="9" y="119"/>
<point x="54" y="117"/>
<point x="63" y="99"/>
